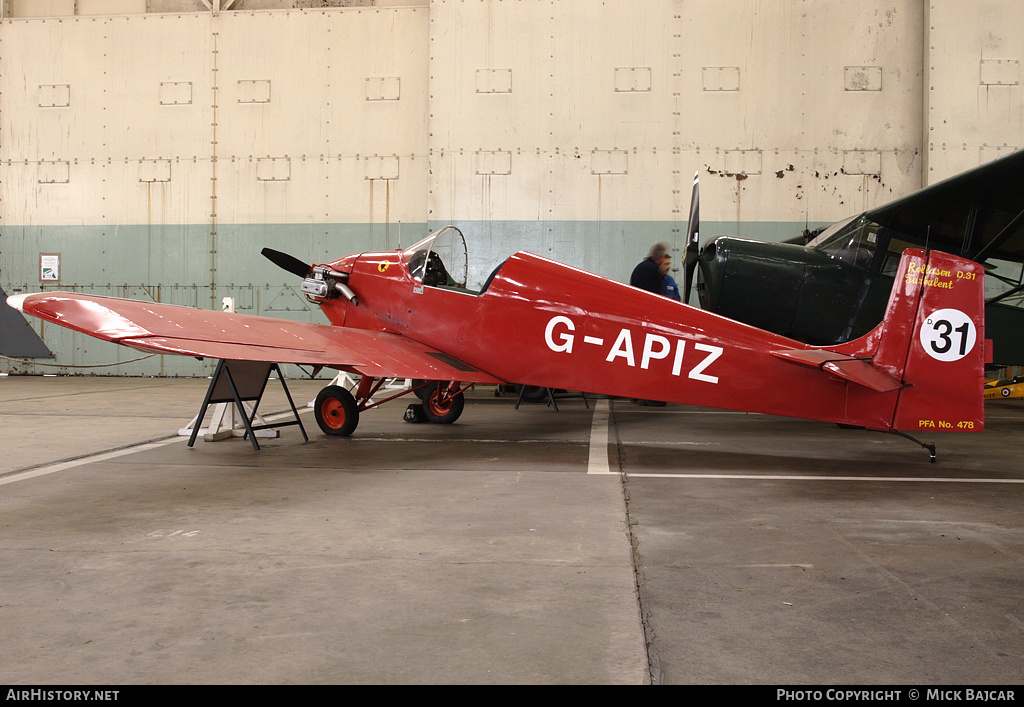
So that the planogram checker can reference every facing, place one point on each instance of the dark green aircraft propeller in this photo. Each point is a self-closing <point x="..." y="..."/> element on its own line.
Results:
<point x="692" y="255"/>
<point x="287" y="262"/>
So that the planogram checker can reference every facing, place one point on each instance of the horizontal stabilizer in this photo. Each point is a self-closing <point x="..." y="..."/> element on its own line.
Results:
<point x="855" y="370"/>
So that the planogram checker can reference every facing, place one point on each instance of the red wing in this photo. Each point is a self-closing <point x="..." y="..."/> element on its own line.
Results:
<point x="186" y="331"/>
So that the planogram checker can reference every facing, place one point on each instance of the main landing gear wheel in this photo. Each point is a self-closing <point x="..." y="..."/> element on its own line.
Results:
<point x="442" y="408"/>
<point x="336" y="411"/>
<point x="533" y="393"/>
<point x="421" y="389"/>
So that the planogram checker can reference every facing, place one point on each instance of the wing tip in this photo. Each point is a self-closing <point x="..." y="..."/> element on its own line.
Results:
<point x="17" y="301"/>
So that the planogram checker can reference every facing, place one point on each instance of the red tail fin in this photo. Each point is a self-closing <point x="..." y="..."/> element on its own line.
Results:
<point x="933" y="340"/>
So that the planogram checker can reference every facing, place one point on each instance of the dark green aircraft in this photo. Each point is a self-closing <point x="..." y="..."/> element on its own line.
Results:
<point x="833" y="285"/>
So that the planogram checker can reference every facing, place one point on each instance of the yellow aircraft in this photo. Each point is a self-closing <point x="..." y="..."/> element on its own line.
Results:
<point x="1013" y="388"/>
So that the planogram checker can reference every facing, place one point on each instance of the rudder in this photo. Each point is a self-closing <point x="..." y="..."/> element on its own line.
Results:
<point x="941" y="358"/>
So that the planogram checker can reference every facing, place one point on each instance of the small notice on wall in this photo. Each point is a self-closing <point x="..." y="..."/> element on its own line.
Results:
<point x="49" y="267"/>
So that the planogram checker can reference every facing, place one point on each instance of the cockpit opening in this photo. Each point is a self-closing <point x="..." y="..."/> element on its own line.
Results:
<point x="439" y="260"/>
<point x="853" y="241"/>
<point x="857" y="242"/>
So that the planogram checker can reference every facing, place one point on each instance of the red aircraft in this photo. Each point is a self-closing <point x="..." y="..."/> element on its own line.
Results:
<point x="538" y="322"/>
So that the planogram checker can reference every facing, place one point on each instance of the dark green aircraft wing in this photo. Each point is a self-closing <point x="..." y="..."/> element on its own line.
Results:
<point x="17" y="337"/>
<point x="978" y="213"/>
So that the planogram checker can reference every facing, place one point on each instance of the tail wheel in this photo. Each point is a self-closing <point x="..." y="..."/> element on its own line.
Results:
<point x="442" y="408"/>
<point x="336" y="411"/>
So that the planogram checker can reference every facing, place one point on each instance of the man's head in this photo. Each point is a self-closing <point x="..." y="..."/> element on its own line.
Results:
<point x="659" y="254"/>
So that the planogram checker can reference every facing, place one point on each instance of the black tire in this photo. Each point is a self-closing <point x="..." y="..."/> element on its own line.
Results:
<point x="533" y="393"/>
<point x="442" y="411"/>
<point x="421" y="393"/>
<point x="336" y="411"/>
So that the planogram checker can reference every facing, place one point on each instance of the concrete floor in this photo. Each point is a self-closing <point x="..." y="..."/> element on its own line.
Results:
<point x="507" y="548"/>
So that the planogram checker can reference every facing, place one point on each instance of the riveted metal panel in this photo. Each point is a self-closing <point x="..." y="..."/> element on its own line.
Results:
<point x="609" y="161"/>
<point x="334" y="92"/>
<point x="67" y="8"/>
<point x="805" y="96"/>
<point x="632" y="79"/>
<point x="383" y="88"/>
<point x="540" y="185"/>
<point x="273" y="169"/>
<point x="380" y="42"/>
<point x="613" y="49"/>
<point x="383" y="167"/>
<point x="863" y="78"/>
<point x="744" y="163"/>
<point x="579" y="113"/>
<point x="55" y="95"/>
<point x="269" y="103"/>
<point x="340" y="107"/>
<point x="175" y="93"/>
<point x="732" y="89"/>
<point x="865" y="162"/>
<point x="1000" y="72"/>
<point x="138" y="123"/>
<point x="156" y="170"/>
<point x="110" y="7"/>
<point x="494" y="80"/>
<point x="488" y="69"/>
<point x="53" y="172"/>
<point x="101" y="113"/>
<point x="975" y="100"/>
<point x="165" y="191"/>
<point x="252" y="91"/>
<point x="720" y="78"/>
<point x="29" y="84"/>
<point x="41" y="8"/>
<point x="493" y="162"/>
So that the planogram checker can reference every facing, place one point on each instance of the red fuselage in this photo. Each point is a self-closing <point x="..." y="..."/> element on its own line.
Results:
<point x="546" y="324"/>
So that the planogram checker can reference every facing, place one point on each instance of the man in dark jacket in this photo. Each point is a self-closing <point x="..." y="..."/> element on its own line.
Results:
<point x="650" y="273"/>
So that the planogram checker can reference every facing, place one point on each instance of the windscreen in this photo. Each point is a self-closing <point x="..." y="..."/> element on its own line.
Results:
<point x="440" y="259"/>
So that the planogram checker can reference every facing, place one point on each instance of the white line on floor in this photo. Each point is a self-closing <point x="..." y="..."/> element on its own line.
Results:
<point x="92" y="458"/>
<point x="598" y="463"/>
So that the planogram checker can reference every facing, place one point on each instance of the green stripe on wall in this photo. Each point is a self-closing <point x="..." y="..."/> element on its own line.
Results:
<point x="188" y="264"/>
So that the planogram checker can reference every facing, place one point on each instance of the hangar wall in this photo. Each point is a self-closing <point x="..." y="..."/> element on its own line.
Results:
<point x="158" y="151"/>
